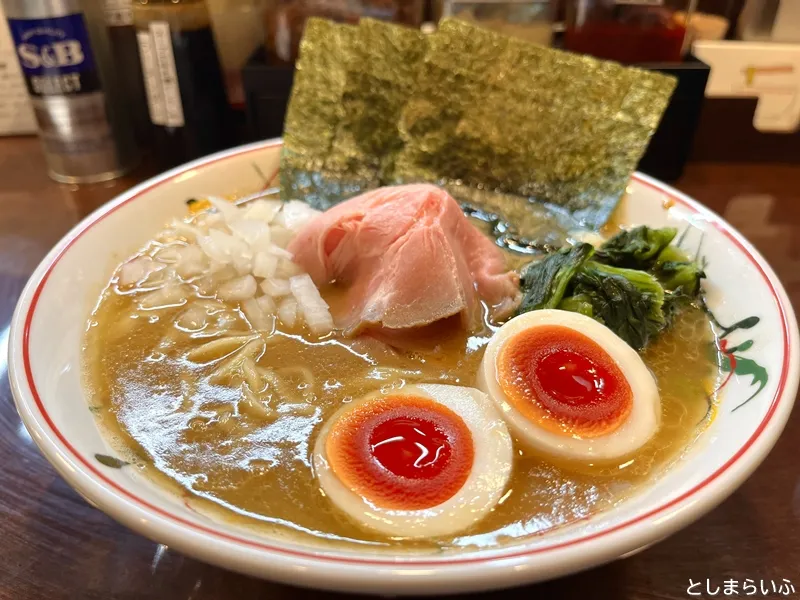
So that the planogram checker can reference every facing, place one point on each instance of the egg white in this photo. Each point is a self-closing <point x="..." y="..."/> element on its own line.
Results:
<point x="640" y="425"/>
<point x="491" y="470"/>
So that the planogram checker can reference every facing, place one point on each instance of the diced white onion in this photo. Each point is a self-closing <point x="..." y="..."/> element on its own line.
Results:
<point x="286" y="268"/>
<point x="193" y="318"/>
<point x="186" y="231"/>
<point x="137" y="270"/>
<point x="287" y="311"/>
<point x="210" y="220"/>
<point x="254" y="233"/>
<point x="295" y="215"/>
<point x="213" y="250"/>
<point x="169" y="255"/>
<point x="169" y="295"/>
<point x="312" y="306"/>
<point x="157" y="278"/>
<point x="280" y="252"/>
<point x="262" y="210"/>
<point x="280" y="236"/>
<point x="276" y="287"/>
<point x="192" y="261"/>
<point x="267" y="305"/>
<point x="221" y="253"/>
<point x="264" y="264"/>
<point x="243" y="264"/>
<point x="238" y="289"/>
<point x="227" y="209"/>
<point x="258" y="319"/>
<point x="222" y="247"/>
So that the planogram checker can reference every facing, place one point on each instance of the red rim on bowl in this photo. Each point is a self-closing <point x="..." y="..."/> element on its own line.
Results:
<point x="695" y="209"/>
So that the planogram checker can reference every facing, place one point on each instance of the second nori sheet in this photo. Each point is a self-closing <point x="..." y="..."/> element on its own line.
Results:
<point x="556" y="127"/>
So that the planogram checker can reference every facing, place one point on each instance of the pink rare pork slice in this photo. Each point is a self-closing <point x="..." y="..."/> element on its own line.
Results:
<point x="408" y="257"/>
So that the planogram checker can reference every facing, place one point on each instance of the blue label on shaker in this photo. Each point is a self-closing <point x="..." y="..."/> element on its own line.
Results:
<point x="55" y="55"/>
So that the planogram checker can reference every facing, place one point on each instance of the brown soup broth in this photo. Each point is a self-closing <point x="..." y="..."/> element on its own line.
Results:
<point x="236" y="441"/>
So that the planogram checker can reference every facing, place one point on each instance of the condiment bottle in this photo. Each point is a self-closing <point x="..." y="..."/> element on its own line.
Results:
<point x="183" y="80"/>
<point x="285" y="20"/>
<point x="125" y="54"/>
<point x="529" y="20"/>
<point x="770" y="21"/>
<point x="80" y="108"/>
<point x="710" y="20"/>
<point x="628" y="31"/>
<point x="239" y="31"/>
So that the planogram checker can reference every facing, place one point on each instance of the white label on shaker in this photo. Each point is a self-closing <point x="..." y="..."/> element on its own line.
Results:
<point x="162" y="43"/>
<point x="118" y="13"/>
<point x="16" y="112"/>
<point x="152" y="79"/>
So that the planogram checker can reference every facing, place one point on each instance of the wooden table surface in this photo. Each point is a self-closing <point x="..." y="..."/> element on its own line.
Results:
<point x="55" y="546"/>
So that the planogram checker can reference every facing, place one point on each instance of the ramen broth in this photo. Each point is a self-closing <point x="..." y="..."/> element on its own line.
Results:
<point x="178" y="399"/>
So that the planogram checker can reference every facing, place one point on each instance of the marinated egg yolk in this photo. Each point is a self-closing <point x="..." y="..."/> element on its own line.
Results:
<point x="401" y="452"/>
<point x="564" y="381"/>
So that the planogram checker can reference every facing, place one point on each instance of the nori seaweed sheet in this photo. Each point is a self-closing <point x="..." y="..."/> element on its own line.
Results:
<point x="466" y="107"/>
<point x="380" y="78"/>
<point x="314" y="113"/>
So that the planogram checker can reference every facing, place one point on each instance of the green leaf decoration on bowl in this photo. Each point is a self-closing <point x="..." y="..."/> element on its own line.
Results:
<point x="110" y="461"/>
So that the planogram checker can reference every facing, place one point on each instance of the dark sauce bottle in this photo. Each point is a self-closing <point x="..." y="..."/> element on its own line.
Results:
<point x="185" y="89"/>
<point x="125" y="56"/>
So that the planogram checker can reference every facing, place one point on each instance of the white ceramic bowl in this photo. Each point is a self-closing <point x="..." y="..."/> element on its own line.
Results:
<point x="44" y="364"/>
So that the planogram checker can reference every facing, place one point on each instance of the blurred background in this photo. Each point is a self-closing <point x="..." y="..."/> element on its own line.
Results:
<point x="161" y="82"/>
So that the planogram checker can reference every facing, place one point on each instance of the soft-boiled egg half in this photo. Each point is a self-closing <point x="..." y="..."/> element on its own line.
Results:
<point x="569" y="387"/>
<point x="422" y="461"/>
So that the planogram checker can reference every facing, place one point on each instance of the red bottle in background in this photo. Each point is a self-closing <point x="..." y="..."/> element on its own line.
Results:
<point x="628" y="31"/>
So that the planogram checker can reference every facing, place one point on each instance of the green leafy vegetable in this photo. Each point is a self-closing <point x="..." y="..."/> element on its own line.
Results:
<point x="627" y="301"/>
<point x="672" y="254"/>
<point x="582" y="303"/>
<point x="683" y="277"/>
<point x="636" y="248"/>
<point x="636" y="283"/>
<point x="545" y="281"/>
<point x="677" y="273"/>
<point x="674" y="304"/>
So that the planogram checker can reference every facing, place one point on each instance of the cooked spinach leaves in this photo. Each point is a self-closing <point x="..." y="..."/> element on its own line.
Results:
<point x="636" y="248"/>
<point x="635" y="283"/>
<point x="544" y="282"/>
<point x="627" y="301"/>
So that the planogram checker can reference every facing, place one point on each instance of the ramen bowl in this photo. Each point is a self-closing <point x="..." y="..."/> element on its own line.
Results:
<point x="748" y="303"/>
